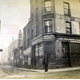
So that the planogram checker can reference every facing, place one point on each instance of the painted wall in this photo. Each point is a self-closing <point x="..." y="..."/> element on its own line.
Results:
<point x="60" y="25"/>
<point x="75" y="28"/>
<point x="74" y="7"/>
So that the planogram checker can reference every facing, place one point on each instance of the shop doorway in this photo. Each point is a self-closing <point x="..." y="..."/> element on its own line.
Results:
<point x="66" y="54"/>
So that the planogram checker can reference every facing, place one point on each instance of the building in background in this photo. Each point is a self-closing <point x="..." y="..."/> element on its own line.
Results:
<point x="19" y="54"/>
<point x="11" y="50"/>
<point x="27" y="48"/>
<point x="15" y="51"/>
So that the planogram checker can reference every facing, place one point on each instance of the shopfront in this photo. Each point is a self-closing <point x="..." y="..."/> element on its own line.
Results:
<point x="67" y="51"/>
<point x="62" y="51"/>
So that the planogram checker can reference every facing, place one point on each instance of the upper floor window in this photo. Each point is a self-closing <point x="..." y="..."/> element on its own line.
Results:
<point x="36" y="13"/>
<point x="37" y="30"/>
<point x="47" y="4"/>
<point x="32" y="34"/>
<point x="66" y="9"/>
<point x="68" y="27"/>
<point x="48" y="26"/>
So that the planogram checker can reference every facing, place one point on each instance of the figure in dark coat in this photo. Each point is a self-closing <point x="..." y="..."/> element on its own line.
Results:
<point x="45" y="63"/>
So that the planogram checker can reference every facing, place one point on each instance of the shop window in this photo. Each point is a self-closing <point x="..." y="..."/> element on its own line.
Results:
<point x="66" y="9"/>
<point x="40" y="49"/>
<point x="36" y="50"/>
<point x="68" y="27"/>
<point x="47" y="4"/>
<point x="48" y="26"/>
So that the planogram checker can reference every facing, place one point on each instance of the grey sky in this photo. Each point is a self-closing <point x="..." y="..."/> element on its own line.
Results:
<point x="14" y="16"/>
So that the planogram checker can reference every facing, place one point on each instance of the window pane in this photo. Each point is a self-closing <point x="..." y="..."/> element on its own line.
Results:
<point x="48" y="23"/>
<point x="68" y="31"/>
<point x="40" y="49"/>
<point x="48" y="29"/>
<point x="47" y="6"/>
<point x="47" y="3"/>
<point x="67" y="24"/>
<point x="48" y="26"/>
<point x="68" y="27"/>
<point x="36" y="50"/>
<point x="66" y="11"/>
<point x="66" y="5"/>
<point x="47" y="9"/>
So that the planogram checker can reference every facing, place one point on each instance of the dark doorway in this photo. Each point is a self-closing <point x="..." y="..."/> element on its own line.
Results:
<point x="66" y="54"/>
<point x="49" y="50"/>
<point x="75" y="54"/>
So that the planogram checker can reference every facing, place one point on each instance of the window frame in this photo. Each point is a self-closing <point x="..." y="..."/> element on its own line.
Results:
<point x="67" y="28"/>
<point x="37" y="30"/>
<point x="45" y="8"/>
<point x="47" y="28"/>
<point x="68" y="9"/>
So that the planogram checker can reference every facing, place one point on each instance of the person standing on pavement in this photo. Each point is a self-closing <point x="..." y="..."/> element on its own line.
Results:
<point x="45" y="63"/>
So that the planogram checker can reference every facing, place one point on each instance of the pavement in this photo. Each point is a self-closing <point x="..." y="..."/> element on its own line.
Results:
<point x="35" y="70"/>
<point x="49" y="70"/>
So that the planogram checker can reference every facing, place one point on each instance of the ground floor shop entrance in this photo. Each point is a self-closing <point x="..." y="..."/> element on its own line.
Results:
<point x="41" y="50"/>
<point x="71" y="54"/>
<point x="62" y="54"/>
<point x="75" y="54"/>
<point x="66" y="54"/>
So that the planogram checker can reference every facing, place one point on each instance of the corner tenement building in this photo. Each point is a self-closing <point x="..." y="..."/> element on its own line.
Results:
<point x="53" y="30"/>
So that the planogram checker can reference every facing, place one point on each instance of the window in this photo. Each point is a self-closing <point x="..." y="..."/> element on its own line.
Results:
<point x="32" y="33"/>
<point x="36" y="13"/>
<point x="36" y="50"/>
<point x="68" y="27"/>
<point x="24" y="36"/>
<point x="37" y="30"/>
<point x="47" y="4"/>
<point x="48" y="26"/>
<point x="40" y="49"/>
<point x="66" y="9"/>
<point x="24" y="44"/>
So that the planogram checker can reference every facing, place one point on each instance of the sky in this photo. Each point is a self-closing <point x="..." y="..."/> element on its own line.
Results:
<point x="14" y="16"/>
